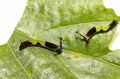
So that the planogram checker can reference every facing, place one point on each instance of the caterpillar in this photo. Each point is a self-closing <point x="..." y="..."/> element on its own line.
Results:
<point x="42" y="44"/>
<point x="98" y="29"/>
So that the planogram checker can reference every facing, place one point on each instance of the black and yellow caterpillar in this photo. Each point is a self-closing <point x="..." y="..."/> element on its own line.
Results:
<point x="42" y="44"/>
<point x="98" y="29"/>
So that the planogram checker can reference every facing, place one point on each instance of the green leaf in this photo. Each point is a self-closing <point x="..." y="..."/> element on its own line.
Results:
<point x="49" y="20"/>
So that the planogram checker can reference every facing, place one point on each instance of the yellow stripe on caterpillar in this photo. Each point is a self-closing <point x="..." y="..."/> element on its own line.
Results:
<point x="104" y="28"/>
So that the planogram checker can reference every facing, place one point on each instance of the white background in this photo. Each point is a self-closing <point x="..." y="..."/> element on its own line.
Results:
<point x="11" y="11"/>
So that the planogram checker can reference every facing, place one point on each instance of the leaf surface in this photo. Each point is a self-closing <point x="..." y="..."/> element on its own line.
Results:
<point x="49" y="20"/>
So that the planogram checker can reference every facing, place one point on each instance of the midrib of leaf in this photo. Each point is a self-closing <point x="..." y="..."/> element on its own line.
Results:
<point x="98" y="59"/>
<point x="19" y="61"/>
<point x="69" y="25"/>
